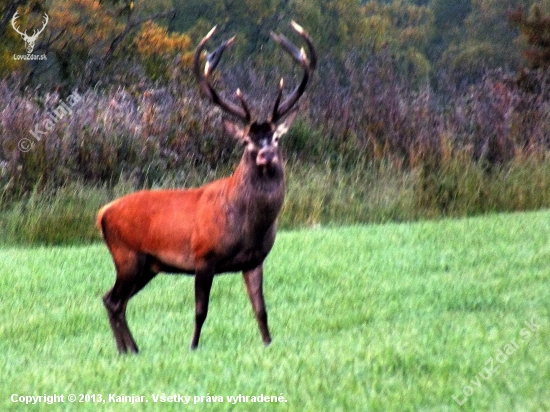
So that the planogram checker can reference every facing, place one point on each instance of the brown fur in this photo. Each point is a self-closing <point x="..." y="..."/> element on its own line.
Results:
<point x="228" y="225"/>
<point x="224" y="226"/>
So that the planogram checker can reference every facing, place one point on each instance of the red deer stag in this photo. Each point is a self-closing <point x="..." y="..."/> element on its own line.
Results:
<point x="227" y="225"/>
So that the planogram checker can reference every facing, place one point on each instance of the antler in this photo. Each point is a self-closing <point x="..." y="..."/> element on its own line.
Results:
<point x="37" y="32"/>
<point x="212" y="60"/>
<point x="280" y="109"/>
<point x="298" y="55"/>
<point x="15" y="16"/>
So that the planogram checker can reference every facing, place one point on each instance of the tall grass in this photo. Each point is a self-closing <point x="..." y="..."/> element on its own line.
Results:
<point x="368" y="147"/>
<point x="317" y="195"/>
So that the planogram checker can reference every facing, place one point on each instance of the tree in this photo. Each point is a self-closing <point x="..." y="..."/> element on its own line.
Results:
<point x="159" y="50"/>
<point x="405" y="29"/>
<point x="335" y="25"/>
<point x="250" y="20"/>
<point x="93" y="38"/>
<point x="90" y="41"/>
<point x="449" y="17"/>
<point x="486" y="41"/>
<point x="535" y="30"/>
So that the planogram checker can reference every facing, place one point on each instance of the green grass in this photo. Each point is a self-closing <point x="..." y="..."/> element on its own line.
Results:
<point x="396" y="317"/>
<point x="316" y="194"/>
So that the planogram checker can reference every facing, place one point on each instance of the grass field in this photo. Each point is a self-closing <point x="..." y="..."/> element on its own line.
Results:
<point x="396" y="317"/>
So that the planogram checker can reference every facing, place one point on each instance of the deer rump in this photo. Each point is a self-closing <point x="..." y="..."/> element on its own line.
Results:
<point x="227" y="225"/>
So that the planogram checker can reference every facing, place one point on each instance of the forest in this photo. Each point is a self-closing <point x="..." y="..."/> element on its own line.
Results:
<point x="418" y="109"/>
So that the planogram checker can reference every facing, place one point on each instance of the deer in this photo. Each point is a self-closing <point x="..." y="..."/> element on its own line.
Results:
<point x="29" y="40"/>
<point x="227" y="225"/>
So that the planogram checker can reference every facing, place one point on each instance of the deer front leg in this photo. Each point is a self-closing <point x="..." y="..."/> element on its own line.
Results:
<point x="203" y="284"/>
<point x="253" y="280"/>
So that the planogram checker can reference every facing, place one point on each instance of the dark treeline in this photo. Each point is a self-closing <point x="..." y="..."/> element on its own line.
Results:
<point x="112" y="42"/>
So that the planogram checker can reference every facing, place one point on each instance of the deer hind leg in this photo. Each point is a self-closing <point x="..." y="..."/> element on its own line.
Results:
<point x="133" y="273"/>
<point x="203" y="284"/>
<point x="253" y="280"/>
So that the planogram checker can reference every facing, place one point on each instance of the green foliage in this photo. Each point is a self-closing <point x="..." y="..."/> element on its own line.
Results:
<point x="333" y="22"/>
<point x="403" y="28"/>
<point x="450" y="13"/>
<point x="448" y="27"/>
<point x="332" y="195"/>
<point x="458" y="187"/>
<point x="250" y="20"/>
<point x="487" y="24"/>
<point x="85" y="41"/>
<point x="396" y="317"/>
<point x="61" y="218"/>
<point x="317" y="194"/>
<point x="64" y="216"/>
<point x="470" y="60"/>
<point x="472" y="36"/>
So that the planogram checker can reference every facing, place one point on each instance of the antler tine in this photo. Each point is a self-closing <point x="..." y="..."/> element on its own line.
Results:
<point x="274" y="117"/>
<point x="300" y="57"/>
<point x="212" y="61"/>
<point x="15" y="17"/>
<point x="46" y="20"/>
<point x="244" y="105"/>
<point x="214" y="58"/>
<point x="309" y="42"/>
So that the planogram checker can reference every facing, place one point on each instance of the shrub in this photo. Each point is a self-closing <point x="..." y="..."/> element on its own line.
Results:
<point x="369" y="148"/>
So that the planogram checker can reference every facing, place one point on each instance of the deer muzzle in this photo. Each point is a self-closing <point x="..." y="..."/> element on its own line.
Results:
<point x="266" y="157"/>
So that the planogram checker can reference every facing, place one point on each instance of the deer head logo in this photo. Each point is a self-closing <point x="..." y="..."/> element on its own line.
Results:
<point x="29" y="40"/>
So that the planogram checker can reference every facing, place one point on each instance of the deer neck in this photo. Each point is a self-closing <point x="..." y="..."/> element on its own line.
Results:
<point x="257" y="191"/>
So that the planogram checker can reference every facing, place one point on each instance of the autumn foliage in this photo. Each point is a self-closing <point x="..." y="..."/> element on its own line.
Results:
<point x="535" y="29"/>
<point x="161" y="52"/>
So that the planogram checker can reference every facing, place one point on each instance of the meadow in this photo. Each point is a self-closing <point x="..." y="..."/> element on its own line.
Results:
<point x="390" y="317"/>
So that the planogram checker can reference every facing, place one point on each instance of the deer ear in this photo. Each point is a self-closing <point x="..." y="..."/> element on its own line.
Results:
<point x="235" y="130"/>
<point x="283" y="127"/>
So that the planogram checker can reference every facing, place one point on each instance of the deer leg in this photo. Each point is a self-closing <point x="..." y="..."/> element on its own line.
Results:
<point x="115" y="302"/>
<point x="253" y="280"/>
<point x="203" y="284"/>
<point x="145" y="277"/>
<point x="130" y="280"/>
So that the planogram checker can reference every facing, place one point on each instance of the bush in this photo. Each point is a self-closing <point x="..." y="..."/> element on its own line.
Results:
<point x="369" y="148"/>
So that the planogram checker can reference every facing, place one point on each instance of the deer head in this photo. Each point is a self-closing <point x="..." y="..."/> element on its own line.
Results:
<point x="29" y="40"/>
<point x="260" y="138"/>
